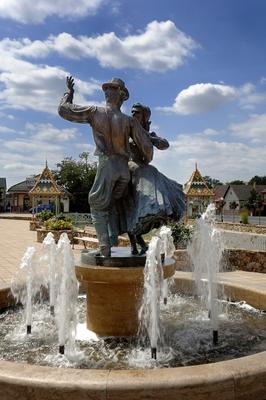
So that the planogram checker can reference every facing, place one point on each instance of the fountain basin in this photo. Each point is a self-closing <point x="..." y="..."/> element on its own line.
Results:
<point x="114" y="291"/>
<point x="242" y="378"/>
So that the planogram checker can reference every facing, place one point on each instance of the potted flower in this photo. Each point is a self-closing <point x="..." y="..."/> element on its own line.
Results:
<point x="57" y="225"/>
<point x="39" y="219"/>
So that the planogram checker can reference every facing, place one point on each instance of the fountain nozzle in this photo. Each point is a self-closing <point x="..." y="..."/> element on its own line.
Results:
<point x="215" y="337"/>
<point x="52" y="310"/>
<point x="28" y="329"/>
<point x="154" y="353"/>
<point x="61" y="349"/>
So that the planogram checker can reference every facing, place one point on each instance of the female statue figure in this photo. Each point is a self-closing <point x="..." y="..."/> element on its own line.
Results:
<point x="152" y="197"/>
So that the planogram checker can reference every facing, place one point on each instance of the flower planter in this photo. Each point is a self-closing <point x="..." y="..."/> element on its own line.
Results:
<point x="42" y="232"/>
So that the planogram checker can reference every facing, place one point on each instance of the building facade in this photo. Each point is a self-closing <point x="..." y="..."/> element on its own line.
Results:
<point x="239" y="194"/>
<point x="197" y="195"/>
<point x="3" y="202"/>
<point x="39" y="189"/>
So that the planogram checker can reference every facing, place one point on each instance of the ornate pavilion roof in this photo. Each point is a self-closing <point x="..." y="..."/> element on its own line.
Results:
<point x="197" y="186"/>
<point x="46" y="184"/>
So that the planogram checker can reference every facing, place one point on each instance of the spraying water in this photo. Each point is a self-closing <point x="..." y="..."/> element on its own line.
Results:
<point x="205" y="251"/>
<point x="167" y="250"/>
<point x="24" y="288"/>
<point x="167" y="242"/>
<point x="50" y="257"/>
<point x="58" y="264"/>
<point x="149" y="313"/>
<point x="66" y="314"/>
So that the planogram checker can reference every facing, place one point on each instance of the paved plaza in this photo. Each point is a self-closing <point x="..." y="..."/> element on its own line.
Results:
<point x="15" y="237"/>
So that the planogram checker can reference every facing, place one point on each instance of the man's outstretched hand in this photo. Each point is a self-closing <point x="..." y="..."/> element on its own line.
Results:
<point x="70" y="84"/>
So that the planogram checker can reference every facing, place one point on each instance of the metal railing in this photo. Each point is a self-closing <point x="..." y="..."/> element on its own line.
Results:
<point x="79" y="219"/>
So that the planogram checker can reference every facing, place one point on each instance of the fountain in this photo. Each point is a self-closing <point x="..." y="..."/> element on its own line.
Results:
<point x="123" y="287"/>
<point x="157" y="382"/>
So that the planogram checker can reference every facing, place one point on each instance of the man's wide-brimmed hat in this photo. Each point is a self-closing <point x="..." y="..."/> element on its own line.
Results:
<point x="117" y="82"/>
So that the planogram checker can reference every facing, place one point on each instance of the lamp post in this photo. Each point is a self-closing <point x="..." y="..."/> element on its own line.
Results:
<point x="221" y="204"/>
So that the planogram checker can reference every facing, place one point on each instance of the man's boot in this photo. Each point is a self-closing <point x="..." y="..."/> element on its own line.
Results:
<point x="100" y="222"/>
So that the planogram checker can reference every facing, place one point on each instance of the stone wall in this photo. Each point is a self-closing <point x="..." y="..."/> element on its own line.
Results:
<point x="243" y="240"/>
<point x="182" y="261"/>
<point x="241" y="227"/>
<point x="245" y="260"/>
<point x="41" y="234"/>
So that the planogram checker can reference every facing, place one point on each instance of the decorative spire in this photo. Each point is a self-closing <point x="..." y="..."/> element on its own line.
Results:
<point x="197" y="186"/>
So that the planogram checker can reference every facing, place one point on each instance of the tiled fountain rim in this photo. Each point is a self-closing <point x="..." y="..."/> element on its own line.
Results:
<point x="241" y="378"/>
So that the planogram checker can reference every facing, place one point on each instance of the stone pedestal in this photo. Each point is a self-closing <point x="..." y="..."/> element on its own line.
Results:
<point x="114" y="290"/>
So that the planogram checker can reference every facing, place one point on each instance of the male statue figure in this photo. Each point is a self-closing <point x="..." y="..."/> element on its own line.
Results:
<point x="111" y="130"/>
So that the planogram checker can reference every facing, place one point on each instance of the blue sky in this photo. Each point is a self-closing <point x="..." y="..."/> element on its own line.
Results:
<point x="199" y="65"/>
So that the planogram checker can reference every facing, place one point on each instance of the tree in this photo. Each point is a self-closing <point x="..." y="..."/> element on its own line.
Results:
<point x="77" y="177"/>
<point x="236" y="182"/>
<point x="254" y="201"/>
<point x="212" y="182"/>
<point x="233" y="205"/>
<point x="220" y="205"/>
<point x="259" y="180"/>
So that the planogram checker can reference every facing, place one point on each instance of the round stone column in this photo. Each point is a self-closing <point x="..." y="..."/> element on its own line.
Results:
<point x="114" y="290"/>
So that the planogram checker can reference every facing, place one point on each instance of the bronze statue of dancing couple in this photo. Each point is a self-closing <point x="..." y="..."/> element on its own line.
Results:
<point x="128" y="194"/>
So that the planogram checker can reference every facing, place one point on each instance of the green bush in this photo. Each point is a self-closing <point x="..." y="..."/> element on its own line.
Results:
<point x="244" y="217"/>
<point x="62" y="217"/>
<point x="181" y="234"/>
<point x="44" y="215"/>
<point x="58" y="225"/>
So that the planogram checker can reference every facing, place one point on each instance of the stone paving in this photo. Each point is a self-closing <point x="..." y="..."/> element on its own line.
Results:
<point x="15" y="237"/>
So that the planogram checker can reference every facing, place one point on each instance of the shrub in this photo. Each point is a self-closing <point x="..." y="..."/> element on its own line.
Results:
<point x="58" y="225"/>
<point x="244" y="217"/>
<point x="44" y="215"/>
<point x="181" y="234"/>
<point x="62" y="217"/>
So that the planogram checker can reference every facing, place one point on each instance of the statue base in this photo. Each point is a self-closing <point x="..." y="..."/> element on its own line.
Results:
<point x="114" y="288"/>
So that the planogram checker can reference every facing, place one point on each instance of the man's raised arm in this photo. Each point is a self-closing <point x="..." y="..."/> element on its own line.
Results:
<point x="73" y="112"/>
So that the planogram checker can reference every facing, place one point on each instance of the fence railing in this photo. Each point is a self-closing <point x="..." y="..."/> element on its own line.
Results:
<point x="79" y="218"/>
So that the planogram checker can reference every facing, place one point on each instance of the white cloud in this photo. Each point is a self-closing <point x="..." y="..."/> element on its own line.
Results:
<point x="26" y="154"/>
<point x="210" y="132"/>
<point x="201" y="97"/>
<point x="17" y="166"/>
<point x="160" y="47"/>
<point x="28" y="85"/>
<point x="5" y="129"/>
<point x="253" y="129"/>
<point x="33" y="86"/>
<point x="28" y="11"/>
<point x="41" y="137"/>
<point x="48" y="132"/>
<point x="219" y="159"/>
<point x="249" y="97"/>
<point x="25" y="146"/>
